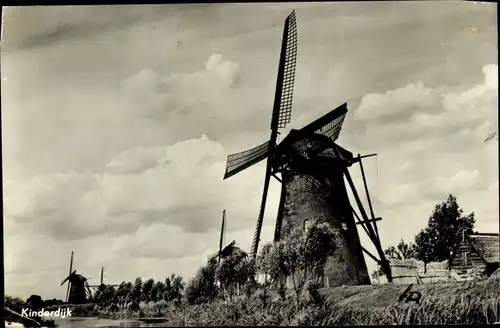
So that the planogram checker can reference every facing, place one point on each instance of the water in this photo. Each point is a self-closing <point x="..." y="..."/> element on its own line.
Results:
<point x="75" y="322"/>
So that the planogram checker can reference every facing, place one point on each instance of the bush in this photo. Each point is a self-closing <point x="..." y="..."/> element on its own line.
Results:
<point x="202" y="288"/>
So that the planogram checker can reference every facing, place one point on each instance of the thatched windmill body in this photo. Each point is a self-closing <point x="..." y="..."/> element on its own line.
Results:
<point x="312" y="168"/>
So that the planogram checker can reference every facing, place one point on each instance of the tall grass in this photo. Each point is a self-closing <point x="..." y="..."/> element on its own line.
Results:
<point x="440" y="304"/>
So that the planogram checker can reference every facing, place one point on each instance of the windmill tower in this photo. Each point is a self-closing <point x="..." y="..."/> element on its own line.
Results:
<point x="78" y="290"/>
<point x="312" y="168"/>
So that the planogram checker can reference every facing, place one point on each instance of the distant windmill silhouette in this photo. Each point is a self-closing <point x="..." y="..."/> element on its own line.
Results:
<point x="78" y="290"/>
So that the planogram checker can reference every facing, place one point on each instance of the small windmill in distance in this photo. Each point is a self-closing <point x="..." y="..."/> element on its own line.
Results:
<point x="78" y="290"/>
<point x="101" y="284"/>
<point x="228" y="250"/>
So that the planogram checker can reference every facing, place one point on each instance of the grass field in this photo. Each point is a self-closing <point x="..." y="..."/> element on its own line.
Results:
<point x="451" y="303"/>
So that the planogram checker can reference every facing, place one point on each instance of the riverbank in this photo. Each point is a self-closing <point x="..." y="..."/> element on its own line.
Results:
<point x="451" y="303"/>
<point x="14" y="318"/>
<point x="473" y="302"/>
<point x="78" y="310"/>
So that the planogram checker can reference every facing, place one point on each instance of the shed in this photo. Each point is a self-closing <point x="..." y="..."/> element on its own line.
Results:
<point x="479" y="252"/>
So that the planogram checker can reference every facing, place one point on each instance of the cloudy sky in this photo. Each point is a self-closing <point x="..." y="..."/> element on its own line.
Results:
<point x="117" y="121"/>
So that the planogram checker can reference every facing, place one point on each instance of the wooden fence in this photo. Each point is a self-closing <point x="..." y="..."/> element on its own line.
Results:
<point x="411" y="271"/>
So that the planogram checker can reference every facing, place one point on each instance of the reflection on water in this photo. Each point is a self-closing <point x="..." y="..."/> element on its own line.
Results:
<point x="74" y="322"/>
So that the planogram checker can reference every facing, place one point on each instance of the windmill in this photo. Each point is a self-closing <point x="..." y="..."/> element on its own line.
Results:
<point x="228" y="250"/>
<point x="312" y="168"/>
<point x="78" y="290"/>
<point x="101" y="284"/>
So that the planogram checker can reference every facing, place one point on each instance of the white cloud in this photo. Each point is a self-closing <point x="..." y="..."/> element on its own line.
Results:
<point x="169" y="211"/>
<point x="430" y="143"/>
<point x="393" y="102"/>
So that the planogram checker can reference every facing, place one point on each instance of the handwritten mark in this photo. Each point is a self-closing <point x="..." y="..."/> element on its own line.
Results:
<point x="410" y="296"/>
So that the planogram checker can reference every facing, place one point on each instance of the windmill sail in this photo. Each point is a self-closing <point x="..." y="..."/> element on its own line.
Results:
<point x="328" y="125"/>
<point x="282" y="112"/>
<point x="240" y="161"/>
<point x="69" y="275"/>
<point x="282" y="109"/>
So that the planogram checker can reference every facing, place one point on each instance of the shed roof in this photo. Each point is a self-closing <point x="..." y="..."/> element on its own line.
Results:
<point x="487" y="245"/>
<point x="230" y="249"/>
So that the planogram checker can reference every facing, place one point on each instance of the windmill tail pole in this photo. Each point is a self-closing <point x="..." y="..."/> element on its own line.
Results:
<point x="367" y="192"/>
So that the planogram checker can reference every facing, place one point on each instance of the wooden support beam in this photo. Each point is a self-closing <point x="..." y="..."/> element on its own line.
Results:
<point x="360" y="206"/>
<point x="365" y="156"/>
<point x="371" y="220"/>
<point x="371" y="255"/>
<point x="362" y="225"/>
<point x="378" y="246"/>
<point x="366" y="190"/>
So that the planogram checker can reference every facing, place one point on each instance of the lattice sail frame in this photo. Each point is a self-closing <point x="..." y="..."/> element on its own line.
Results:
<point x="286" y="78"/>
<point x="290" y="63"/>
<point x="299" y="141"/>
<point x="330" y="130"/>
<point x="242" y="160"/>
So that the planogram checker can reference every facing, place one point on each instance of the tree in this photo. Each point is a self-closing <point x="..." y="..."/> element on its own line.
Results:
<point x="106" y="295"/>
<point x="157" y="291"/>
<point x="318" y="243"/>
<point x="201" y="288"/>
<point x="302" y="250"/>
<point x="443" y="232"/>
<point x="14" y="303"/>
<point x="173" y="288"/>
<point x="136" y="292"/>
<point x="123" y="293"/>
<point x="402" y="251"/>
<point x="265" y="265"/>
<point x="147" y="286"/>
<point x="35" y="301"/>
<point x="177" y="287"/>
<point x="234" y="270"/>
<point x="245" y="275"/>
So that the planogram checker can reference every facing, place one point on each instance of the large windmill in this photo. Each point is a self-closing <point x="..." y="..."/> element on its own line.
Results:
<point x="312" y="168"/>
